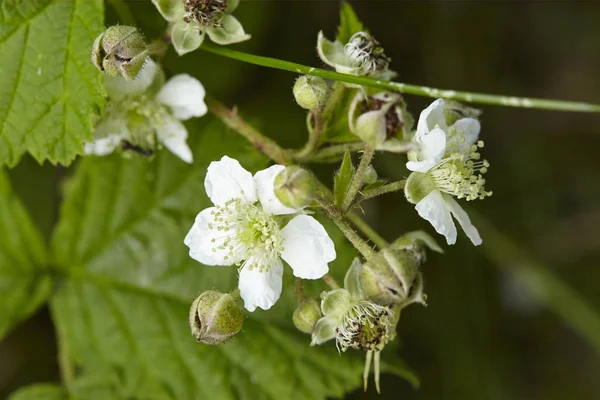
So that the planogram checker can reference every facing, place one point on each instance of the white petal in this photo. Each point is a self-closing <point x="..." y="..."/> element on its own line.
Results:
<point x="230" y="31"/>
<point x="171" y="10"/>
<point x="432" y="116"/>
<point x="469" y="127"/>
<point x="174" y="135"/>
<point x="108" y="133"/>
<point x="118" y="87"/>
<point x="102" y="146"/>
<point x="265" y="181"/>
<point x="185" y="96"/>
<point x="200" y="241"/>
<point x="432" y="145"/>
<point x="226" y="180"/>
<point x="261" y="289"/>
<point x="186" y="37"/>
<point x="307" y="247"/>
<point x="463" y="219"/>
<point x="331" y="53"/>
<point x="433" y="209"/>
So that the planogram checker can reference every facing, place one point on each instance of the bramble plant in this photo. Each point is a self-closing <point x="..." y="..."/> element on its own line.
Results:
<point x="132" y="206"/>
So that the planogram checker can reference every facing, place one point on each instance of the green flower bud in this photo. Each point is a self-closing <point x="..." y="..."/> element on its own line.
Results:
<point x="294" y="187"/>
<point x="215" y="317"/>
<point x="120" y="51"/>
<point x="418" y="185"/>
<point x="306" y="315"/>
<point x="391" y="277"/>
<point x="311" y="92"/>
<point x="370" y="175"/>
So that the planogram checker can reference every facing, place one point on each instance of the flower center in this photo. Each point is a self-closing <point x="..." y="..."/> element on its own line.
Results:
<point x="248" y="233"/>
<point x="365" y="53"/>
<point x="460" y="173"/>
<point x="365" y="326"/>
<point x="208" y="13"/>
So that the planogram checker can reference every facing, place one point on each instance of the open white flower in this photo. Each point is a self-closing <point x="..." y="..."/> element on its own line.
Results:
<point x="242" y="229"/>
<point x="361" y="56"/>
<point x="191" y="19"/>
<point x="143" y="111"/>
<point x="446" y="165"/>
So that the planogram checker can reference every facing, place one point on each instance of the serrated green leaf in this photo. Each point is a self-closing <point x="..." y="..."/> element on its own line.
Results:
<point x="50" y="91"/>
<point x="342" y="179"/>
<point x="349" y="23"/>
<point x="40" y="392"/>
<point x="121" y="305"/>
<point x="24" y="284"/>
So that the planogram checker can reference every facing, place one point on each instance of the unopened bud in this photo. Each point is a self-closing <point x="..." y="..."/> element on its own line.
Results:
<point x="311" y="92"/>
<point x="389" y="277"/>
<point x="295" y="187"/>
<point x="370" y="175"/>
<point x="120" y="51"/>
<point x="215" y="317"/>
<point x="418" y="185"/>
<point x="306" y="315"/>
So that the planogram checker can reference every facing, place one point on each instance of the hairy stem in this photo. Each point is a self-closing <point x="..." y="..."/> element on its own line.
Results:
<point x="358" y="179"/>
<point x="314" y="133"/>
<point x="331" y="153"/>
<point x="388" y="188"/>
<point x="299" y="290"/>
<point x="469" y="97"/>
<point x="330" y="281"/>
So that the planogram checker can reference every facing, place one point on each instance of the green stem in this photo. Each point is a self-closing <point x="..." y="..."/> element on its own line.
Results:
<point x="260" y="142"/>
<point x="389" y="188"/>
<point x="330" y="154"/>
<point x="469" y="97"/>
<point x="314" y="133"/>
<point x="330" y="281"/>
<point x="299" y="290"/>
<point x="366" y="229"/>
<point x="358" y="179"/>
<point x="336" y="216"/>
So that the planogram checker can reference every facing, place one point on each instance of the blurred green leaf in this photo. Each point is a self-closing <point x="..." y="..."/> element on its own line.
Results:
<point x="349" y="23"/>
<point x="40" y="392"/>
<point x="50" y="90"/>
<point x="121" y="306"/>
<point x="24" y="282"/>
<point x="342" y="179"/>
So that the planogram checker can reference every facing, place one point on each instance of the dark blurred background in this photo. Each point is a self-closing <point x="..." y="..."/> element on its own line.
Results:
<point x="517" y="318"/>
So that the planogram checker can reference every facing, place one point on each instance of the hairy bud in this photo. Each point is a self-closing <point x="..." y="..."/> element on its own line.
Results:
<point x="311" y="92"/>
<point x="120" y="51"/>
<point x="370" y="175"/>
<point x="295" y="187"/>
<point x="215" y="317"/>
<point x="306" y="315"/>
<point x="418" y="185"/>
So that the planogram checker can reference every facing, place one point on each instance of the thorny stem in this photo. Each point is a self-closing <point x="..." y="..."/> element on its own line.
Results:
<point x="330" y="281"/>
<point x="469" y="97"/>
<point x="358" y="179"/>
<point x="388" y="188"/>
<point x="334" y="213"/>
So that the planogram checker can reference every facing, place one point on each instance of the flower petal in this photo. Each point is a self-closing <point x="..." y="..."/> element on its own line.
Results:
<point x="108" y="133"/>
<point x="118" y="87"/>
<point x="463" y="219"/>
<point x="323" y="331"/>
<point x="186" y="37"/>
<point x="433" y="208"/>
<point x="261" y="289"/>
<point x="200" y="241"/>
<point x="171" y="10"/>
<point x="432" y="116"/>
<point x="174" y="135"/>
<point x="185" y="95"/>
<point x="469" y="127"/>
<point x="265" y="183"/>
<point x="307" y="247"/>
<point x="331" y="53"/>
<point x="102" y="146"/>
<point x="230" y="31"/>
<point x="226" y="180"/>
<point x="432" y="146"/>
<point x="371" y="126"/>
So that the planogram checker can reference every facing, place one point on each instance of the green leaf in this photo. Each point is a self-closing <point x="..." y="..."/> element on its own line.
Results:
<point x="349" y="23"/>
<point x="342" y="179"/>
<point x="50" y="90"/>
<point x="127" y="284"/>
<point x="24" y="283"/>
<point x="40" y="392"/>
<point x="335" y="116"/>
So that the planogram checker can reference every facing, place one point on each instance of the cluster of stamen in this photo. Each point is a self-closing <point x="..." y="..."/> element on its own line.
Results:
<point x="246" y="233"/>
<point x="208" y="13"/>
<point x="460" y="172"/>
<point x="366" y="326"/>
<point x="366" y="54"/>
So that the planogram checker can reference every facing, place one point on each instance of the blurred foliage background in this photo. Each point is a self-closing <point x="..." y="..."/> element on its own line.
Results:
<point x="519" y="317"/>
